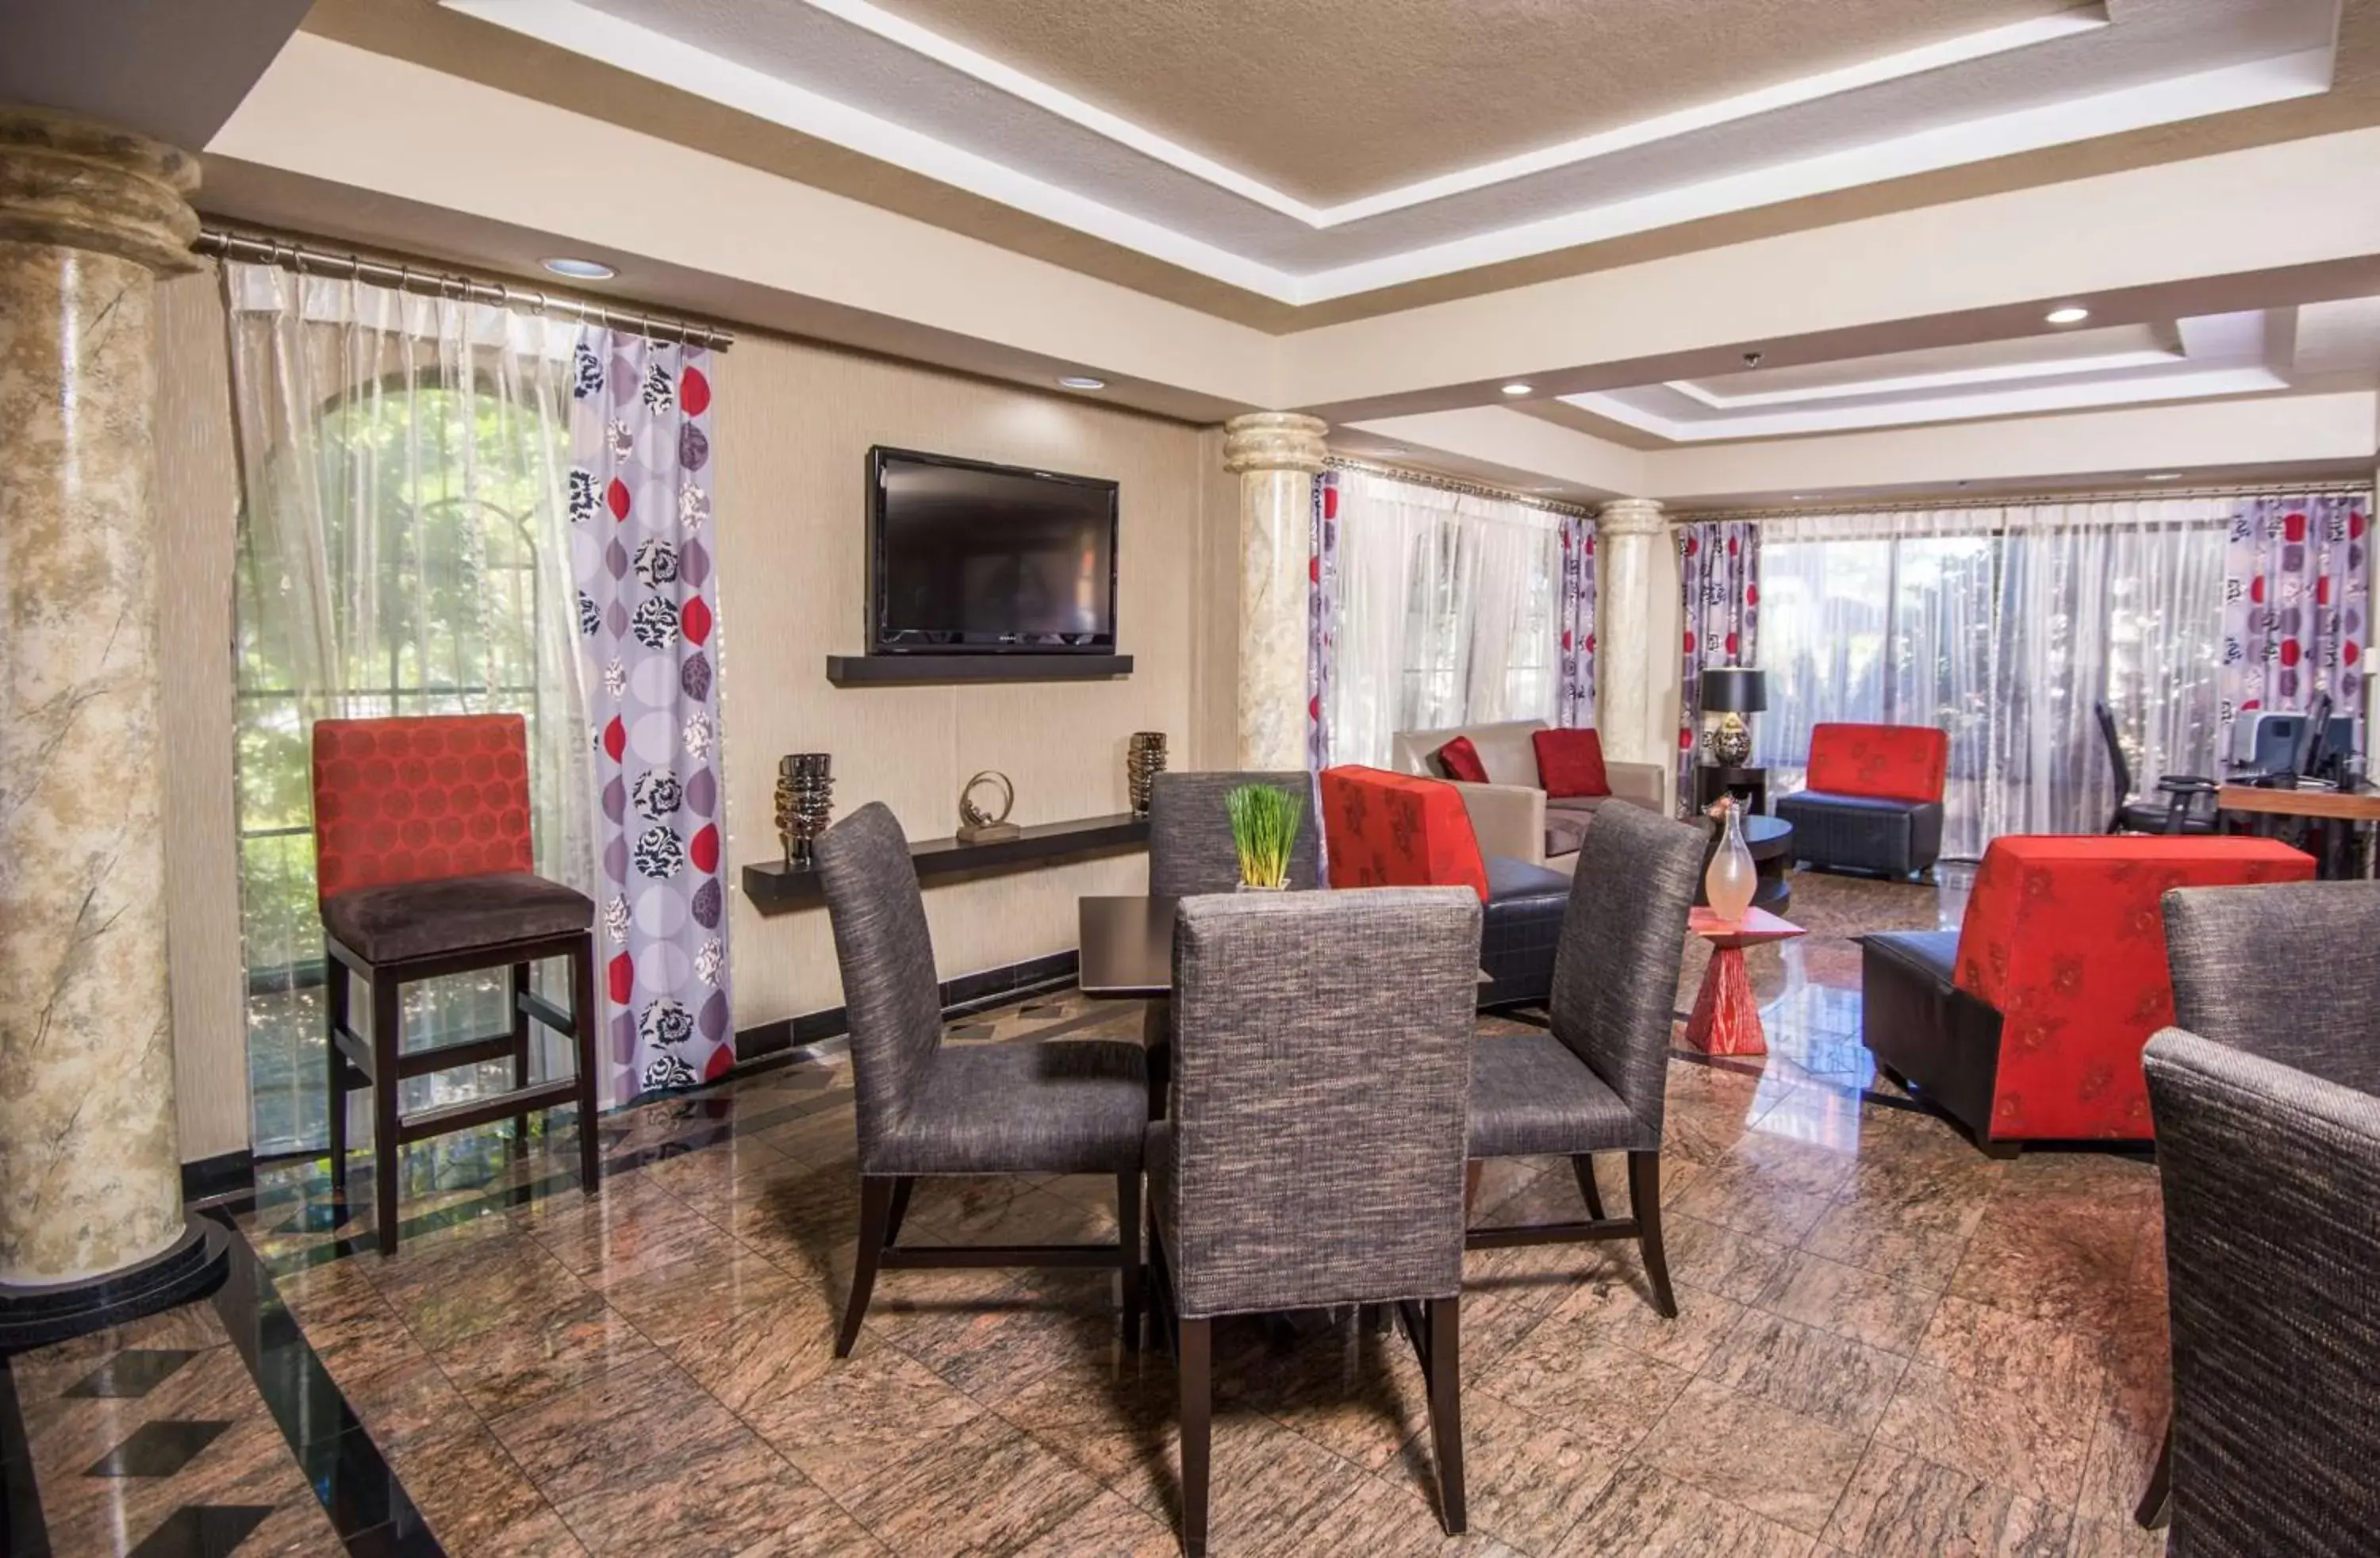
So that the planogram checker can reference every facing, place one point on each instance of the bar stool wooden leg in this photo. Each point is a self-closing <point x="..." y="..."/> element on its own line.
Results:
<point x="387" y="1029"/>
<point x="518" y="987"/>
<point x="585" y="1021"/>
<point x="334" y="1003"/>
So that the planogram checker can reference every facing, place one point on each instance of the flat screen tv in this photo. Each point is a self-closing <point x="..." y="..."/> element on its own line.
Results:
<point x="967" y="558"/>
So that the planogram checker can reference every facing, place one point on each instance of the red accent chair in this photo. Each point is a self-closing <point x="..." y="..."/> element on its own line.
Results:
<point x="2026" y="1024"/>
<point x="424" y="869"/>
<point x="1872" y="798"/>
<point x="1400" y="830"/>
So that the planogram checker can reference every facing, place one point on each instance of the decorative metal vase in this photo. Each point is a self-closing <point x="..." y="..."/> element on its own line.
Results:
<point x="1729" y="743"/>
<point x="1144" y="761"/>
<point x="1730" y="880"/>
<point x="805" y="801"/>
<point x="976" y="824"/>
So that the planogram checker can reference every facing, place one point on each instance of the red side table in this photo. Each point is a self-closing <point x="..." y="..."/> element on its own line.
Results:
<point x="1727" y="1018"/>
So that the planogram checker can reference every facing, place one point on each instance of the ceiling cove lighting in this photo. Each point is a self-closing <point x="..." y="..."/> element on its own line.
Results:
<point x="2162" y="476"/>
<point x="1082" y="381"/>
<point x="2072" y="314"/>
<point x="578" y="270"/>
<point x="1516" y="388"/>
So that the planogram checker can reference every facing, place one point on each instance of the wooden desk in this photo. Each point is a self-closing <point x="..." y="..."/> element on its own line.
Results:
<point x="2332" y="826"/>
<point x="2336" y="805"/>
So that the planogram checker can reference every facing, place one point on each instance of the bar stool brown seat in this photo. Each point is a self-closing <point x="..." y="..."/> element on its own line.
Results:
<point x="424" y="868"/>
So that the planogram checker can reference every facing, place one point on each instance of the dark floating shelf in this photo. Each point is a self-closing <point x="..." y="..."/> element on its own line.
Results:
<point x="776" y="887"/>
<point x="884" y="670"/>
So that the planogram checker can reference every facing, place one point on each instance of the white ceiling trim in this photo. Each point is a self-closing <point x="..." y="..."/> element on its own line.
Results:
<point x="1947" y="379"/>
<point x="625" y="44"/>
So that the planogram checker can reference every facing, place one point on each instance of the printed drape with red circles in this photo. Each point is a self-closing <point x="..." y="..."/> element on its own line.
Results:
<point x="1574" y="697"/>
<point x="2296" y="604"/>
<point x="1718" y="569"/>
<point x="642" y="555"/>
<point x="1321" y="613"/>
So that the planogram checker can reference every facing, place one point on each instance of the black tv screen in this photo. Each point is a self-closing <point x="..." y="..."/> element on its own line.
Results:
<point x="965" y="556"/>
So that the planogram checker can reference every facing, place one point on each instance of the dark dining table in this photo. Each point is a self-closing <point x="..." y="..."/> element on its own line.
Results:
<point x="1127" y="948"/>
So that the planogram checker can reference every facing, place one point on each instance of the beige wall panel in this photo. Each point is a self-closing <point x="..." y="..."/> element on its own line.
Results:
<point x="795" y="423"/>
<point x="198" y="505"/>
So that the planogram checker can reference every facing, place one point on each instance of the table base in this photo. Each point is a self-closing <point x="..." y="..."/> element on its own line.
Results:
<point x="1727" y="1018"/>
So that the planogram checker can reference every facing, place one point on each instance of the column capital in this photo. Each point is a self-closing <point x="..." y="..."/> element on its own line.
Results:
<point x="1274" y="441"/>
<point x="1629" y="516"/>
<point x="75" y="183"/>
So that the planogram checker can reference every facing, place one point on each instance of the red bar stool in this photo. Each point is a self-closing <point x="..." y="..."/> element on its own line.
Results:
<point x="423" y="867"/>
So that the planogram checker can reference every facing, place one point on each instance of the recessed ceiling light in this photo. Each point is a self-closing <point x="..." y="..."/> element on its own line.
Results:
<point x="578" y="270"/>
<point x="1516" y="388"/>
<point x="1082" y="381"/>
<point x="2162" y="476"/>
<point x="2073" y="314"/>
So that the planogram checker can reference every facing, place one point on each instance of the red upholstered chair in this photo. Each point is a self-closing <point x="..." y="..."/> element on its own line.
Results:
<point x="423" y="866"/>
<point x="2027" y="1023"/>
<point x="1872" y="798"/>
<point x="1399" y="830"/>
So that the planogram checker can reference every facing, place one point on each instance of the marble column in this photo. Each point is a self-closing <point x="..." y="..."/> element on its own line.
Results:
<point x="1634" y="655"/>
<point x="1275" y="455"/>
<point x="90" y="1204"/>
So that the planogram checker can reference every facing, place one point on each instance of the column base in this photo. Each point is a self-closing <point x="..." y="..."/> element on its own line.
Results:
<point x="192" y="1268"/>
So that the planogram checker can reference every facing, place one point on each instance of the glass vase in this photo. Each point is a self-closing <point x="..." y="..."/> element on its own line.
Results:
<point x="1730" y="880"/>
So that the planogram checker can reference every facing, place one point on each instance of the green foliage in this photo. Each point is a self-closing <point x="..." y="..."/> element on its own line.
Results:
<point x="1264" y="830"/>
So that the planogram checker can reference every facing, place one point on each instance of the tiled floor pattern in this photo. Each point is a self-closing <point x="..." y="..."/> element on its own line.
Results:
<point x="1887" y="1344"/>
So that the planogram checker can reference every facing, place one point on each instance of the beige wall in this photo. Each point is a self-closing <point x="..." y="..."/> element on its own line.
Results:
<point x="198" y="501"/>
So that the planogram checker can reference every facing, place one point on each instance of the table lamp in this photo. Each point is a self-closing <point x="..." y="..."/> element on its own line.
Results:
<point x="1734" y="692"/>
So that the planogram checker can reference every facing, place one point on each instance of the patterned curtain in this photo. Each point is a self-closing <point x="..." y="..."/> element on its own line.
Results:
<point x="1574" y="697"/>
<point x="638" y="499"/>
<point x="1718" y="568"/>
<point x="2296" y="605"/>
<point x="1321" y="613"/>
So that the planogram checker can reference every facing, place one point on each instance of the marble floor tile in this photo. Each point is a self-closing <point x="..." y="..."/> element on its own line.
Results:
<point x="982" y="1488"/>
<point x="2017" y="1441"/>
<point x="1778" y="1464"/>
<point x="1901" y="1506"/>
<point x="843" y="1428"/>
<point x="1109" y="1526"/>
<point x="1845" y="1300"/>
<point x="1606" y="1308"/>
<point x="749" y="1356"/>
<point x="736" y="1497"/>
<point x="1646" y="1515"/>
<point x="1600" y="1391"/>
<point x="1733" y="1265"/>
<point x="522" y="1361"/>
<point x="1528" y="1480"/>
<point x="1804" y="1369"/>
<point x="573" y="1442"/>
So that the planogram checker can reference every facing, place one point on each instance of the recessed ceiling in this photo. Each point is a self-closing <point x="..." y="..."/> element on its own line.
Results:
<point x="1342" y="146"/>
<point x="2245" y="353"/>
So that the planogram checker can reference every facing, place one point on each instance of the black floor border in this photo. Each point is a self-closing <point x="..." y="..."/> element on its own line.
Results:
<point x="359" y="1490"/>
<point x="27" y="1534"/>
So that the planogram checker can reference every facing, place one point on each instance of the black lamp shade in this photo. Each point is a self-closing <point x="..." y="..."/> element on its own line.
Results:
<point x="1734" y="689"/>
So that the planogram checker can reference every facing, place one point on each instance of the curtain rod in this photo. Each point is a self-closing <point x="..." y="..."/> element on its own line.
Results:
<point x="1448" y="485"/>
<point x="264" y="248"/>
<point x="2025" y="500"/>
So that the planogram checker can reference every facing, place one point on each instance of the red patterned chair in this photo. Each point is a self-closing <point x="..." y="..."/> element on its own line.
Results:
<point x="1872" y="800"/>
<point x="2026" y="1024"/>
<point x="424" y="864"/>
<point x="1398" y="830"/>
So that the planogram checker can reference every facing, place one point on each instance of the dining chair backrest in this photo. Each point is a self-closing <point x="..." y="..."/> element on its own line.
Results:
<point x="891" y="997"/>
<point x="1622" y="937"/>
<point x="2286" y="971"/>
<point x="1190" y="846"/>
<point x="1322" y="1071"/>
<point x="2119" y="766"/>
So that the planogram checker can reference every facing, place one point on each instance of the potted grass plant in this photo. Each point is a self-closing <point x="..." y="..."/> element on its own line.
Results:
<point x="1264" y="830"/>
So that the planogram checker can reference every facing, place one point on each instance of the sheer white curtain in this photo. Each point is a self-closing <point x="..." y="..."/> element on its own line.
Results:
<point x="1446" y="612"/>
<point x="403" y="551"/>
<point x="2002" y="626"/>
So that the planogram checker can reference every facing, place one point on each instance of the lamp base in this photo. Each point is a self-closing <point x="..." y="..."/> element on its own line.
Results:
<point x="1728" y="745"/>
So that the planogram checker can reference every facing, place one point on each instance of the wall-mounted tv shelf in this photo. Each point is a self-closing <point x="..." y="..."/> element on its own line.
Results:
<point x="776" y="887"/>
<point x="886" y="670"/>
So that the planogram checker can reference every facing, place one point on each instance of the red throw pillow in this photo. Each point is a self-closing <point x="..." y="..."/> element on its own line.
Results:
<point x="1460" y="760"/>
<point x="1570" y="764"/>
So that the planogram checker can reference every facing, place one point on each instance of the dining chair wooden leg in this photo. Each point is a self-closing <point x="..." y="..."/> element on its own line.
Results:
<point x="518" y="986"/>
<point x="586" y="1023"/>
<point x="388" y="1015"/>
<point x="1472" y="1169"/>
<point x="1196" y="1352"/>
<point x="876" y="1192"/>
<point x="1446" y="1408"/>
<point x="2157" y="1500"/>
<point x="1644" y="1203"/>
<point x="1584" y="1167"/>
<point x="336" y="1003"/>
<point x="899" y="1213"/>
<point x="1128" y="1256"/>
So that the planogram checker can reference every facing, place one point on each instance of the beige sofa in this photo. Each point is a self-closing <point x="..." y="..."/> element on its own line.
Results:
<point x="1510" y="813"/>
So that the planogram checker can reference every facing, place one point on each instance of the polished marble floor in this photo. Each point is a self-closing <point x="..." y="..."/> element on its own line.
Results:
<point x="1887" y="1344"/>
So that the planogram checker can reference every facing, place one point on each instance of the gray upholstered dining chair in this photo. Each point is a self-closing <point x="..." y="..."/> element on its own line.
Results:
<point x="927" y="1108"/>
<point x="1190" y="848"/>
<point x="2267" y="1097"/>
<point x="1595" y="1080"/>
<point x="1315" y="1156"/>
